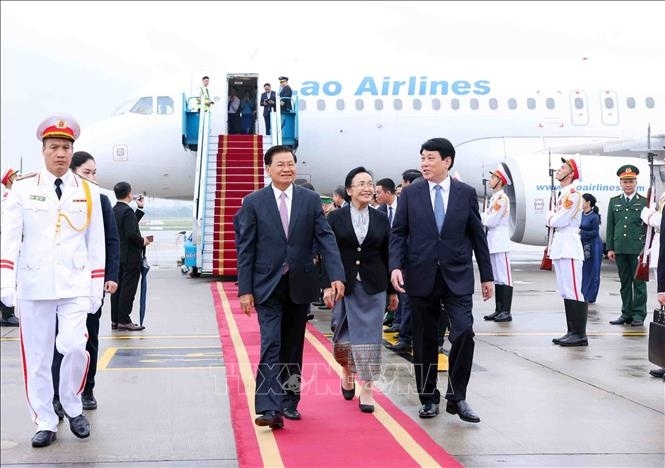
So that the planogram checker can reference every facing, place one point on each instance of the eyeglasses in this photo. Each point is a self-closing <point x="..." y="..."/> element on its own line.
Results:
<point x="363" y="185"/>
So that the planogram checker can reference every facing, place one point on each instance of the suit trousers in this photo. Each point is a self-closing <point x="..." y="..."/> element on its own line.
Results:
<point x="122" y="301"/>
<point x="266" y="118"/>
<point x="425" y="313"/>
<point x="633" y="292"/>
<point x="38" y="333"/>
<point x="282" y="326"/>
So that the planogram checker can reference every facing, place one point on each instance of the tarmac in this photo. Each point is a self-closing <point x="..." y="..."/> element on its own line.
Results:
<point x="163" y="399"/>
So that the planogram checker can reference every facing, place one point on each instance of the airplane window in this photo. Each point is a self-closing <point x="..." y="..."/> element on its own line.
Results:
<point x="143" y="106"/>
<point x="378" y="104"/>
<point x="164" y="105"/>
<point x="417" y="104"/>
<point x="512" y="103"/>
<point x="454" y="104"/>
<point x="436" y="104"/>
<point x="550" y="104"/>
<point x="630" y="102"/>
<point x="124" y="107"/>
<point x="397" y="104"/>
<point x="531" y="103"/>
<point x="579" y="103"/>
<point x="321" y="105"/>
<point x="474" y="104"/>
<point x="302" y="105"/>
<point x="360" y="104"/>
<point x="650" y="103"/>
<point x="493" y="104"/>
<point x="339" y="104"/>
<point x="609" y="103"/>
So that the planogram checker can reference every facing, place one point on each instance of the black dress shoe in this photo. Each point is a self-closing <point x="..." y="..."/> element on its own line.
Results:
<point x="291" y="413"/>
<point x="310" y="316"/>
<point x="88" y="400"/>
<point x="43" y="438"/>
<point x="11" y="321"/>
<point x="365" y="408"/>
<point x="271" y="419"/>
<point x="637" y="323"/>
<point x="491" y="316"/>
<point x="428" y="410"/>
<point x="401" y="346"/>
<point x="349" y="394"/>
<point x="80" y="426"/>
<point x="130" y="326"/>
<point x="621" y="320"/>
<point x="463" y="410"/>
<point x="658" y="373"/>
<point x="114" y="325"/>
<point x="57" y="407"/>
<point x="394" y="328"/>
<point x="504" y="317"/>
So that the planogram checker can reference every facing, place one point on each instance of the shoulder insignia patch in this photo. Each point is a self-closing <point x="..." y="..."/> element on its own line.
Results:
<point x="567" y="203"/>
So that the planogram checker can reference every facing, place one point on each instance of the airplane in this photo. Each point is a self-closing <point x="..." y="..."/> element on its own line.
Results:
<point x="523" y="115"/>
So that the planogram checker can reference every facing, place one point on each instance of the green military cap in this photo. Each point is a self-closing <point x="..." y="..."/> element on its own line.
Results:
<point x="628" y="171"/>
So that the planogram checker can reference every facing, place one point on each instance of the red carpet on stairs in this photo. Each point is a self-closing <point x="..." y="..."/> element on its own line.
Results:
<point x="333" y="432"/>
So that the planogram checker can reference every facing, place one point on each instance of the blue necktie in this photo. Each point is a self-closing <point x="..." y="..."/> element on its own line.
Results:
<point x="390" y="215"/>
<point x="439" y="210"/>
<point x="58" y="189"/>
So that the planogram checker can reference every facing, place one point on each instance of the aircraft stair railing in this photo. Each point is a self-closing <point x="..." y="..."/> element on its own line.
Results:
<point x="200" y="186"/>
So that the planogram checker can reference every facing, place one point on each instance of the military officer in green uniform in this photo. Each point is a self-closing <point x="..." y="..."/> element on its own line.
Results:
<point x="625" y="239"/>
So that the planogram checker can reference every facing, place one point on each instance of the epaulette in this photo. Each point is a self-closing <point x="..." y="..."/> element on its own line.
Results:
<point x="88" y="180"/>
<point x="26" y="176"/>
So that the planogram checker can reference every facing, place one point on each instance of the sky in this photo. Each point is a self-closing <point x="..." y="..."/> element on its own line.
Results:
<point x="86" y="58"/>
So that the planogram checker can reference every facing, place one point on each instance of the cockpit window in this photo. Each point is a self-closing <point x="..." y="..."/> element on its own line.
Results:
<point x="142" y="106"/>
<point x="125" y="107"/>
<point x="164" y="105"/>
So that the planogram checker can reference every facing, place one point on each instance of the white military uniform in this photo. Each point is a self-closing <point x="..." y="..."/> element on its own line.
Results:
<point x="651" y="217"/>
<point x="566" y="251"/>
<point x="53" y="250"/>
<point x="496" y="218"/>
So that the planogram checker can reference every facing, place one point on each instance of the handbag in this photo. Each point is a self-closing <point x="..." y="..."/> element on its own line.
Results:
<point x="657" y="338"/>
<point x="642" y="270"/>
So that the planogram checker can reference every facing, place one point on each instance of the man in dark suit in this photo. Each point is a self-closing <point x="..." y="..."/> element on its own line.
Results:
<point x="268" y="99"/>
<point x="660" y="372"/>
<point x="435" y="231"/>
<point x="276" y="229"/>
<point x="285" y="93"/>
<point x="132" y="246"/>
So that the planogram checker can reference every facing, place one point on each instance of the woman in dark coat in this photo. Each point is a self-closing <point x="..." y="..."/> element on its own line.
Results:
<point x="362" y="235"/>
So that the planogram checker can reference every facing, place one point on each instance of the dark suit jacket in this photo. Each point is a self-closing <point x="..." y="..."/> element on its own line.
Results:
<point x="267" y="108"/>
<point x="661" y="257"/>
<point x="370" y="257"/>
<point x="262" y="246"/>
<point x="131" y="240"/>
<point x="286" y="92"/>
<point x="418" y="249"/>
<point x="112" y="240"/>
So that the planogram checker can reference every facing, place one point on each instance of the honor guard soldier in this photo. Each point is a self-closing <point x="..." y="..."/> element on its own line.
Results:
<point x="567" y="254"/>
<point x="495" y="218"/>
<point x="52" y="266"/>
<point x="8" y="317"/>
<point x="624" y="239"/>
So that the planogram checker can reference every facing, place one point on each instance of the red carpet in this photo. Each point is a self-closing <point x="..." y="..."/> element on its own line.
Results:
<point x="333" y="432"/>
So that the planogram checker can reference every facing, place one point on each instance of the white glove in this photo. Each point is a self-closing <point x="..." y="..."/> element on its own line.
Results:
<point x="95" y="304"/>
<point x="646" y="212"/>
<point x="8" y="297"/>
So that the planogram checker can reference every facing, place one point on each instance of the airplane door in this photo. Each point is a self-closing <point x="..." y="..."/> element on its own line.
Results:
<point x="579" y="107"/>
<point x="550" y="106"/>
<point x="608" y="107"/>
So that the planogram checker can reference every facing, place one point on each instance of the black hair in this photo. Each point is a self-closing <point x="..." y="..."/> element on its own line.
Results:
<point x="387" y="184"/>
<point x="444" y="147"/>
<point x="592" y="201"/>
<point x="267" y="159"/>
<point x="349" y="179"/>
<point x="205" y="78"/>
<point x="307" y="185"/>
<point x="340" y="191"/>
<point x="121" y="190"/>
<point x="79" y="159"/>
<point x="266" y="84"/>
<point x="410" y="175"/>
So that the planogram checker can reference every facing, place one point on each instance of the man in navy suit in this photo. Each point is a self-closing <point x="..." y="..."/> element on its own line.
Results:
<point x="435" y="231"/>
<point x="276" y="229"/>
<point x="268" y="99"/>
